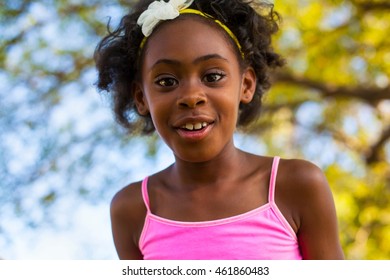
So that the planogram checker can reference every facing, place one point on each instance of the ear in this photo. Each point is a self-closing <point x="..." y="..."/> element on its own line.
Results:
<point x="139" y="99"/>
<point x="248" y="86"/>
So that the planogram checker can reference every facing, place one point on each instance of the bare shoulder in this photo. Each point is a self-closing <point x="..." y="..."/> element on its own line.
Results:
<point x="128" y="198"/>
<point x="306" y="200"/>
<point x="302" y="175"/>
<point x="127" y="218"/>
<point x="300" y="186"/>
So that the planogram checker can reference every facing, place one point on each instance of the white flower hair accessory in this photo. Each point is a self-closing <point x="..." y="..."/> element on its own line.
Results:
<point x="160" y="10"/>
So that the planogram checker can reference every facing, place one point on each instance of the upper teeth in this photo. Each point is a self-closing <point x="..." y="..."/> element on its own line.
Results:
<point x="191" y="126"/>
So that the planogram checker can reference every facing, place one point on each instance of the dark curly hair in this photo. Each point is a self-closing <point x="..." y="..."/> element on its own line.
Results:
<point x="117" y="56"/>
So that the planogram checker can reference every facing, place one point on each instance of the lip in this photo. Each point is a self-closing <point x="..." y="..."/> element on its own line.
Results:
<point x="194" y="135"/>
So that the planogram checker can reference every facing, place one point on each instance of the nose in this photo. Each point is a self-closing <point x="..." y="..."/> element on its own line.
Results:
<point x="191" y="96"/>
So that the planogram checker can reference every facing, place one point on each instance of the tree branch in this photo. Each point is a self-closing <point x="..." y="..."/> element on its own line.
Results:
<point x="374" y="153"/>
<point x="370" y="95"/>
<point x="370" y="6"/>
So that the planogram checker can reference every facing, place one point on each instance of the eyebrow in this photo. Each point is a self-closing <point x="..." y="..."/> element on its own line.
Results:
<point x="195" y="61"/>
<point x="208" y="57"/>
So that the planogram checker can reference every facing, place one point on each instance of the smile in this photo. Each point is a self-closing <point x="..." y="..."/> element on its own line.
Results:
<point x="194" y="131"/>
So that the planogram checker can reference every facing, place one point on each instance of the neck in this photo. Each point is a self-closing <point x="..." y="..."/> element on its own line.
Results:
<point x="198" y="174"/>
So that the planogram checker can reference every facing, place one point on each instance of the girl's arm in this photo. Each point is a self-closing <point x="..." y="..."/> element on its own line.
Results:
<point x="127" y="215"/>
<point x="313" y="211"/>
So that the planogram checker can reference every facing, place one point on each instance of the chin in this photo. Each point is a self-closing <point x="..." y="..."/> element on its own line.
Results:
<point x="195" y="156"/>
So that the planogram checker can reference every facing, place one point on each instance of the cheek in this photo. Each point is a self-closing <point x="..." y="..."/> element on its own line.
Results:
<point x="229" y="105"/>
<point x="160" y="110"/>
<point x="227" y="110"/>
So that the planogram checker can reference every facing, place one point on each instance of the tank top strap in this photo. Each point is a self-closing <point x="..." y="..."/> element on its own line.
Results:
<point x="272" y="182"/>
<point x="145" y="195"/>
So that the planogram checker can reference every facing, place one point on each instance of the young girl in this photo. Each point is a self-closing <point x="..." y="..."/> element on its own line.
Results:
<point x="193" y="70"/>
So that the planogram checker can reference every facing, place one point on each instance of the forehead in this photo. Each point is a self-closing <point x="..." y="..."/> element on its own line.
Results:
<point x="189" y="36"/>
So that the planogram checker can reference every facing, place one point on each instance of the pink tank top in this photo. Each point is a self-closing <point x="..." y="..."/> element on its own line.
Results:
<point x="260" y="234"/>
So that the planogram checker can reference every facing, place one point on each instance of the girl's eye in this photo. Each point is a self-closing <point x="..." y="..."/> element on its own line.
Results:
<point x="166" y="82"/>
<point x="213" y="77"/>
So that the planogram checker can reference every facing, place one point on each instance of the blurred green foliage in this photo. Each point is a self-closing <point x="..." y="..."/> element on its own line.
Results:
<point x="338" y="57"/>
<point x="330" y="104"/>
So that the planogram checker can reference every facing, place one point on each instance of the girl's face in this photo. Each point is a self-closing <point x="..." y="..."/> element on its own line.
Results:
<point x="192" y="86"/>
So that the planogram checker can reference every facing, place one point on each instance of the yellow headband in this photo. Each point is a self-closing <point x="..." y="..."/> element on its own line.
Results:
<point x="197" y="12"/>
